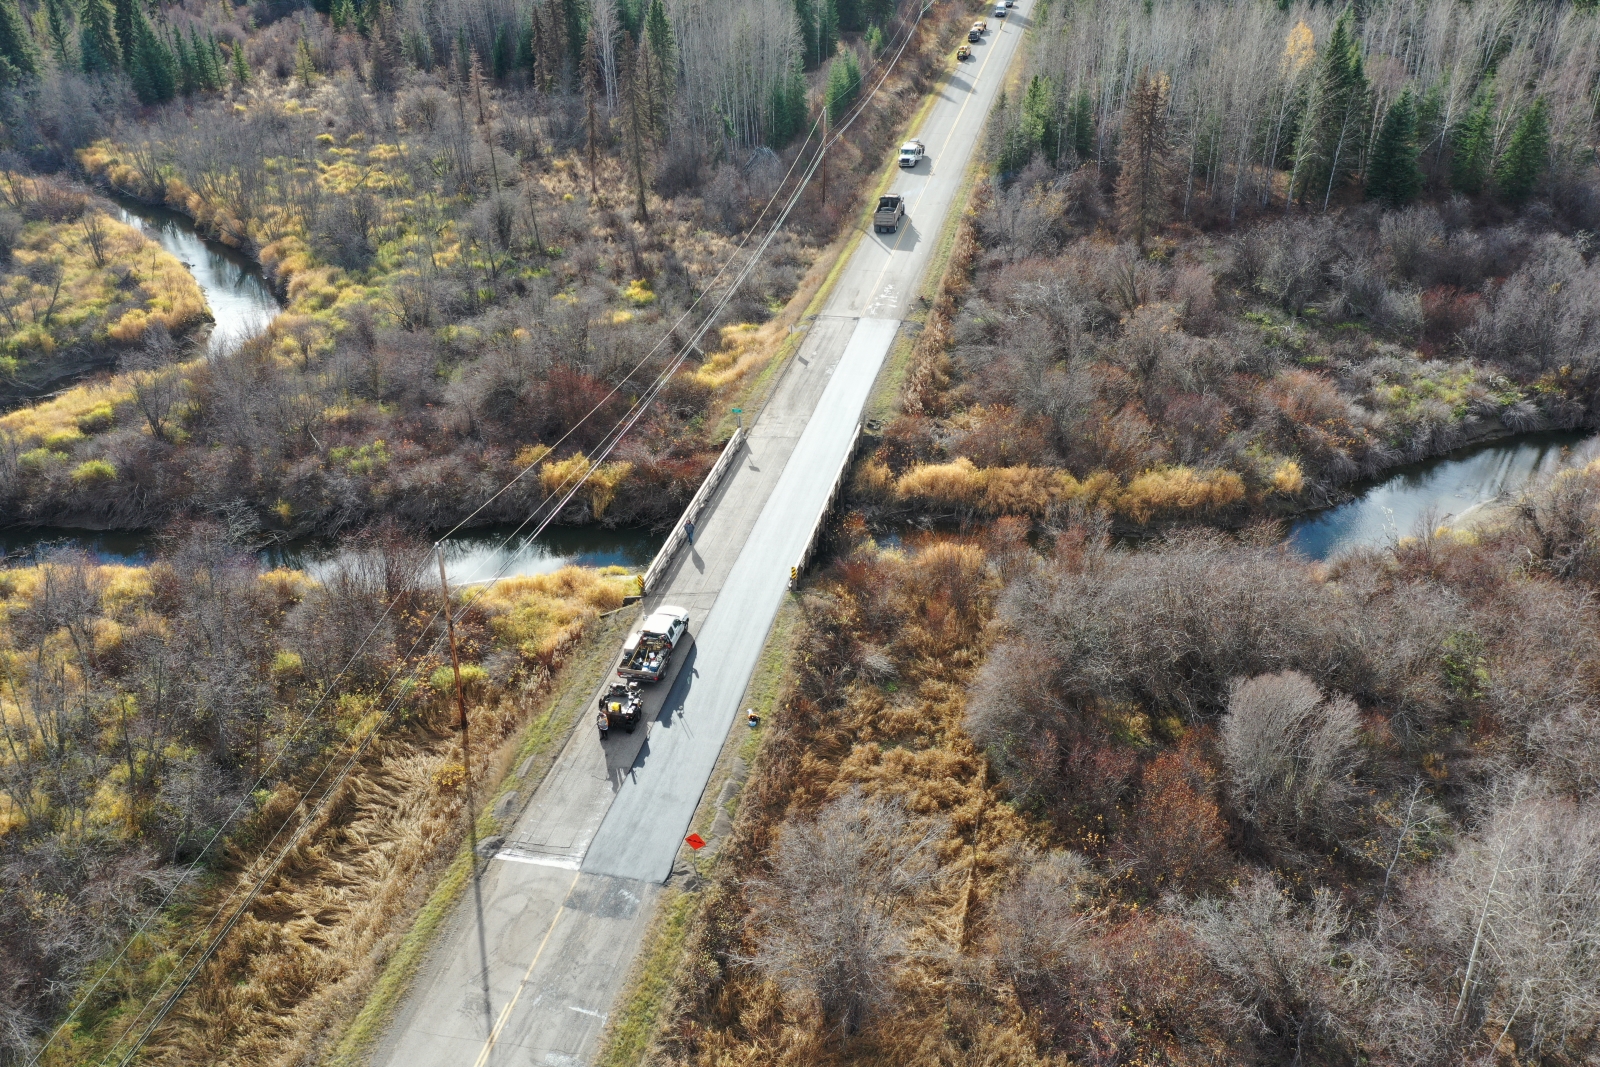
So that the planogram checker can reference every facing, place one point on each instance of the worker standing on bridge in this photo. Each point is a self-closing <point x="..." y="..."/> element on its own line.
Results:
<point x="688" y="528"/>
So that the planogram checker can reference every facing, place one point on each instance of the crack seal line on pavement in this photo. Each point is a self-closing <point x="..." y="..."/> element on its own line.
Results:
<point x="505" y="1013"/>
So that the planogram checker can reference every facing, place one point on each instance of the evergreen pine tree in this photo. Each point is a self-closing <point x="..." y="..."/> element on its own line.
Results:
<point x="343" y="15"/>
<point x="129" y="13"/>
<point x="154" y="70"/>
<point x="1517" y="170"/>
<point x="1472" y="143"/>
<point x="1332" y="130"/>
<point x="1039" y="117"/>
<point x="58" y="32"/>
<point x="98" y="48"/>
<point x="385" y="50"/>
<point x="241" y="65"/>
<point x="19" y="59"/>
<point x="1392" y="174"/>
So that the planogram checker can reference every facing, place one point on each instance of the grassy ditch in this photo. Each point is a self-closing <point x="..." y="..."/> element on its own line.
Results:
<point x="537" y="747"/>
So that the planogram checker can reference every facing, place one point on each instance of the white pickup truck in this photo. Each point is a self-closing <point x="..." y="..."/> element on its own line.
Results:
<point x="646" y="654"/>
<point x="912" y="153"/>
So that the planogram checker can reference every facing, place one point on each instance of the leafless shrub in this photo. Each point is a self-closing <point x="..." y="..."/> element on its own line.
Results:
<point x="1041" y="934"/>
<point x="1290" y="752"/>
<point x="1280" y="961"/>
<point x="830" y="927"/>
<point x="96" y="236"/>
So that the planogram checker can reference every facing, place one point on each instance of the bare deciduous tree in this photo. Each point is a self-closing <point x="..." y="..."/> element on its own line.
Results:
<point x="1519" y="902"/>
<point x="831" y="928"/>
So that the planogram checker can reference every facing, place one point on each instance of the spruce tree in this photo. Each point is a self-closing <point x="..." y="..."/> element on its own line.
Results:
<point x="241" y="65"/>
<point x="19" y="60"/>
<point x="1080" y="122"/>
<point x="343" y="15"/>
<point x="1039" y="117"/>
<point x="129" y="13"/>
<point x="788" y="108"/>
<point x="215" y="63"/>
<point x="1392" y="174"/>
<point x="98" y="48"/>
<point x="844" y="82"/>
<point x="663" y="46"/>
<point x="154" y="69"/>
<point x="58" y="32"/>
<point x="505" y="52"/>
<point x="1472" y="143"/>
<point x="188" y="73"/>
<point x="1519" y="167"/>
<point x="1333" y="128"/>
<point x="634" y="105"/>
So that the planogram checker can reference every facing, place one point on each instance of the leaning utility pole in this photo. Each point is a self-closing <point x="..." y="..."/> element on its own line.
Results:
<point x="455" y="665"/>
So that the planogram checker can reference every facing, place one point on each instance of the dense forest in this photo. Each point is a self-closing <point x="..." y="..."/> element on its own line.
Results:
<point x="487" y="221"/>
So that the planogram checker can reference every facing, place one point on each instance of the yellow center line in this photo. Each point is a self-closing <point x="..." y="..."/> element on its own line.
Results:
<point x="505" y="1013"/>
<point x="954" y="125"/>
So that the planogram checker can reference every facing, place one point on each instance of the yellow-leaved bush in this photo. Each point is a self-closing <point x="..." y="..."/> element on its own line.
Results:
<point x="558" y="477"/>
<point x="1033" y="491"/>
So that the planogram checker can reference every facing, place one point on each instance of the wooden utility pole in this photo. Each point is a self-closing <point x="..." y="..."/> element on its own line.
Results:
<point x="455" y="665"/>
<point x="824" y="149"/>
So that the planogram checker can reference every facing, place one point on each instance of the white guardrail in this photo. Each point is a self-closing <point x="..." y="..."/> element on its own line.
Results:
<point x="799" y="567"/>
<point x="719" y="471"/>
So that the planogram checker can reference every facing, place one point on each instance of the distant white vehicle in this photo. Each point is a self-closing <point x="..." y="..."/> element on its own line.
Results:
<point x="1000" y="10"/>
<point x="912" y="153"/>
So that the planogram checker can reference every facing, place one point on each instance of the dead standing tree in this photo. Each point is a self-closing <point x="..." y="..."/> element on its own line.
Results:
<point x="1145" y="173"/>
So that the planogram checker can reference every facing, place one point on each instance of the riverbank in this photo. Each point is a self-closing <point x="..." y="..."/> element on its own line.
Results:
<point x="79" y="289"/>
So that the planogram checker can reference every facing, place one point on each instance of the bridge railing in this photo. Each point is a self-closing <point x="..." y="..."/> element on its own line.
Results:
<point x="702" y="496"/>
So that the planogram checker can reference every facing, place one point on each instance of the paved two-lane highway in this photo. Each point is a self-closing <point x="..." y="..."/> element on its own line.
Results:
<point x="536" y="956"/>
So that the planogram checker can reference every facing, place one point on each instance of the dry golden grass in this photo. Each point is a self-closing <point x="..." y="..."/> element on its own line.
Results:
<point x="902" y="739"/>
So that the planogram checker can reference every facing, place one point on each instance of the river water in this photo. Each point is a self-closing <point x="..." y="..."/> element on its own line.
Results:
<point x="241" y="301"/>
<point x="242" y="304"/>
<point x="1449" y="488"/>
<point x="1446" y="490"/>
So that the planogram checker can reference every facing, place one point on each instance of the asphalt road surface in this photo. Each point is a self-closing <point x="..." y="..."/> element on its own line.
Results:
<point x="541" y="945"/>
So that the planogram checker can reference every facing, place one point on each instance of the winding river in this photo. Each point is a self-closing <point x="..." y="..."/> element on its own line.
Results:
<point x="242" y="303"/>
<point x="1448" y="488"/>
